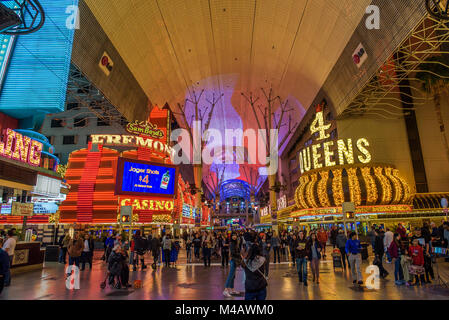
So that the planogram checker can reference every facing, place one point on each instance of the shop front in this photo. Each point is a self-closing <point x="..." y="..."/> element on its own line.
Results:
<point x="28" y="182"/>
<point x="104" y="178"/>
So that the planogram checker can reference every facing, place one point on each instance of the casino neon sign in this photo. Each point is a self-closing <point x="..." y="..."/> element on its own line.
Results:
<point x="21" y="148"/>
<point x="147" y="204"/>
<point x="318" y="155"/>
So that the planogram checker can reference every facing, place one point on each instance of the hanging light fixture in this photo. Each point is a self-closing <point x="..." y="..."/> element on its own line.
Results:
<point x="438" y="8"/>
<point x="8" y="18"/>
<point x="27" y="16"/>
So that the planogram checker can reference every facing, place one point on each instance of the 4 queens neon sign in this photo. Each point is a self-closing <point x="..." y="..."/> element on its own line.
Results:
<point x="319" y="155"/>
<point x="20" y="148"/>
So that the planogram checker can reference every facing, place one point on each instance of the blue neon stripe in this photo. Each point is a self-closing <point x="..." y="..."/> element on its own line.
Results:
<point x="36" y="80"/>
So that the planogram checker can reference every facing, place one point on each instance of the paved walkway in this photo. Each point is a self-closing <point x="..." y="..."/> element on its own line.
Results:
<point x="195" y="282"/>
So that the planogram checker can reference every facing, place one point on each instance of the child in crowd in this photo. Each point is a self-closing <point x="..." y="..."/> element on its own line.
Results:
<point x="417" y="267"/>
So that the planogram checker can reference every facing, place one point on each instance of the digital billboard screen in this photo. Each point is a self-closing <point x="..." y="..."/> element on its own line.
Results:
<point x="136" y="177"/>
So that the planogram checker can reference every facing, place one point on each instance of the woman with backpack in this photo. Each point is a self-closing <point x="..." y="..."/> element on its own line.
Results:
<point x="255" y="281"/>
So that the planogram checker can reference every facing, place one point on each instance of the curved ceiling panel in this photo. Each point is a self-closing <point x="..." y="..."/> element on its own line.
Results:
<point x="230" y="46"/>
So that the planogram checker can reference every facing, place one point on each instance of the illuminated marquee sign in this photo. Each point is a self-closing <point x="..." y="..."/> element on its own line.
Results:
<point x="20" y="148"/>
<point x="319" y="155"/>
<point x="148" y="204"/>
<point x="145" y="128"/>
<point x="132" y="141"/>
<point x="136" y="177"/>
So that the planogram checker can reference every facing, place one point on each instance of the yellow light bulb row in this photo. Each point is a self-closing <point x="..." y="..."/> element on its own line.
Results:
<point x="354" y="186"/>
<point x="301" y="198"/>
<point x="310" y="194"/>
<point x="398" y="194"/>
<point x="370" y="184"/>
<point x="337" y="187"/>
<point x="322" y="189"/>
<point x="386" y="186"/>
<point x="407" y="191"/>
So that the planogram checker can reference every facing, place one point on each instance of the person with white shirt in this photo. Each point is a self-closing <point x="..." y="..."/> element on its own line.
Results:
<point x="88" y="252"/>
<point x="9" y="246"/>
<point x="388" y="239"/>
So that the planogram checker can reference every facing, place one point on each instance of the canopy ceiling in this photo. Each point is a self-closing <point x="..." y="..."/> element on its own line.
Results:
<point x="230" y="46"/>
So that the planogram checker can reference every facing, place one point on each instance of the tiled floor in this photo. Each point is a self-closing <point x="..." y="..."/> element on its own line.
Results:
<point x="194" y="282"/>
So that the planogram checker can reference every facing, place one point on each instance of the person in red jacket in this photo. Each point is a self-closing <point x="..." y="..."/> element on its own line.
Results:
<point x="417" y="267"/>
<point x="395" y="253"/>
<point x="322" y="239"/>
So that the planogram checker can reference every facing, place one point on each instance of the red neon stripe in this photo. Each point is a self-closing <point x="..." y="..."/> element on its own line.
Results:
<point x="86" y="187"/>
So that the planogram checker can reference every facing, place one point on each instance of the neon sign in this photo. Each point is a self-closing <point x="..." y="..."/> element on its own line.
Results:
<point x="148" y="204"/>
<point x="312" y="156"/>
<point x="133" y="141"/>
<point x="20" y="148"/>
<point x="135" y="177"/>
<point x="145" y="128"/>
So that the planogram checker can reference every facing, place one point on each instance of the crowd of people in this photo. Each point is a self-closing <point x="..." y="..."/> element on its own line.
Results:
<point x="410" y="252"/>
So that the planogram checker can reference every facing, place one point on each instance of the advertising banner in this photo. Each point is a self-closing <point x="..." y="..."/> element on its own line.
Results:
<point x="22" y="209"/>
<point x="45" y="207"/>
<point x="135" y="177"/>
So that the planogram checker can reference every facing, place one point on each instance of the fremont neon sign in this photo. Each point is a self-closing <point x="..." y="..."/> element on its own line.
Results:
<point x="133" y="141"/>
<point x="20" y="148"/>
<point x="320" y="155"/>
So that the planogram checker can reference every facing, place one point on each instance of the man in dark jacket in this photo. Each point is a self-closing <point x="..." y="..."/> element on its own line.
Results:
<point x="333" y="236"/>
<point x="155" y="249"/>
<point x="140" y="247"/>
<point x="379" y="251"/>
<point x="301" y="257"/>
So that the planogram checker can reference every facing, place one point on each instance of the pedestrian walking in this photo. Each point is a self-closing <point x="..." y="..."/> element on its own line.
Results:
<point x="166" y="246"/>
<point x="63" y="243"/>
<point x="353" y="249"/>
<point x="4" y="265"/>
<point x="88" y="252"/>
<point x="74" y="249"/>
<point x="340" y="242"/>
<point x="236" y="259"/>
<point x="314" y="249"/>
<point x="9" y="247"/>
<point x="301" y="255"/>
<point x="322" y="238"/>
<point x="276" y="244"/>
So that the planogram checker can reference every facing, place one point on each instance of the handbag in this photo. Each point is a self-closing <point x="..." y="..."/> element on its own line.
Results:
<point x="416" y="270"/>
